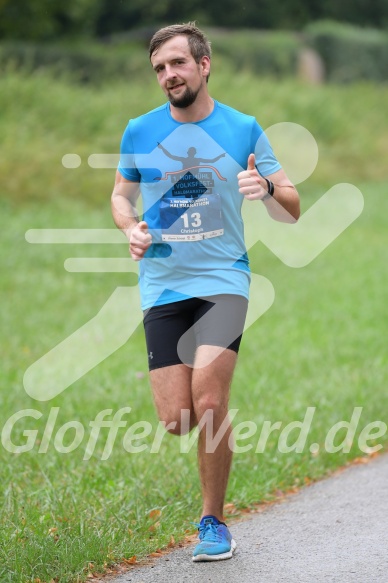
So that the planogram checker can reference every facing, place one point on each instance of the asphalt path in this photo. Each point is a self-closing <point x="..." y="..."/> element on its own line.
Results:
<point x="335" y="530"/>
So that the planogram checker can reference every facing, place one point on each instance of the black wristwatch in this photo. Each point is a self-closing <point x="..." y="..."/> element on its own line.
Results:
<point x="270" y="188"/>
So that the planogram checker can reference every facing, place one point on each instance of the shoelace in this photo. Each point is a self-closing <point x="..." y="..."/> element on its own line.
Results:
<point x="209" y="531"/>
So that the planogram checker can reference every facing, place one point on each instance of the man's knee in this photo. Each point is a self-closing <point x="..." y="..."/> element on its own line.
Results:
<point x="181" y="423"/>
<point x="210" y="406"/>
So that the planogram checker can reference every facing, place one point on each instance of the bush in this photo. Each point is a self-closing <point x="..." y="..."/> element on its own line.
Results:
<point x="88" y="64"/>
<point x="261" y="52"/>
<point x="348" y="52"/>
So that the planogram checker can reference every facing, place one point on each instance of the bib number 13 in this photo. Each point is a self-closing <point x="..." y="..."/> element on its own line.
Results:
<point x="195" y="220"/>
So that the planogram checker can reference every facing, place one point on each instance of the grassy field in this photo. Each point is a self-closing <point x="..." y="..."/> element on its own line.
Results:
<point x="321" y="344"/>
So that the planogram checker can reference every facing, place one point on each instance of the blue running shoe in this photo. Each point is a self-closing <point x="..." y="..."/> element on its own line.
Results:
<point x="216" y="542"/>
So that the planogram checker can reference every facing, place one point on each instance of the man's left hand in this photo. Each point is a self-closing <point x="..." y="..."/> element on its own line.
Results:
<point x="251" y="184"/>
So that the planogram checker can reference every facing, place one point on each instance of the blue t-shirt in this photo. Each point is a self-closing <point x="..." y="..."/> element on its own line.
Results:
<point x="191" y="202"/>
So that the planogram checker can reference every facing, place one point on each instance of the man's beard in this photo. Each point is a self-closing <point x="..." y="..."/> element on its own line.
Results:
<point x="185" y="100"/>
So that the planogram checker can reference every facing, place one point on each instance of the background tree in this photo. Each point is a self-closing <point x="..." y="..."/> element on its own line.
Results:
<point x="47" y="19"/>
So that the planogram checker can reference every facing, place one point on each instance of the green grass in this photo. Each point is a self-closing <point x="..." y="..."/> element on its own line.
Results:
<point x="43" y="119"/>
<point x="321" y="344"/>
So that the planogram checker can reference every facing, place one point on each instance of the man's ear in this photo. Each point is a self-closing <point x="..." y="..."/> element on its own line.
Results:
<point x="205" y="66"/>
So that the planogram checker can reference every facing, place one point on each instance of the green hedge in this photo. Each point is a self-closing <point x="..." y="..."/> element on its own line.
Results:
<point x="87" y="63"/>
<point x="268" y="53"/>
<point x="262" y="52"/>
<point x="350" y="53"/>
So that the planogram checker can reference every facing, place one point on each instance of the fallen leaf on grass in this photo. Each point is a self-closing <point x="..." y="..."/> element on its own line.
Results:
<point x="248" y="510"/>
<point x="156" y="513"/>
<point x="361" y="460"/>
<point x="230" y="509"/>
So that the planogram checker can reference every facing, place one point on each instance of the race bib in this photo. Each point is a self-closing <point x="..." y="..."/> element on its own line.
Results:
<point x="195" y="219"/>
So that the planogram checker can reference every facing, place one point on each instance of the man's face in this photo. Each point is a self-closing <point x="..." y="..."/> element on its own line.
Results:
<point x="179" y="76"/>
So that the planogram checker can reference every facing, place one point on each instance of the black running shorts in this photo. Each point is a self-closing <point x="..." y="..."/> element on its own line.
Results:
<point x="174" y="331"/>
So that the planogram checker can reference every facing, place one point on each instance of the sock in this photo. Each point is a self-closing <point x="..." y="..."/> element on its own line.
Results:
<point x="203" y="519"/>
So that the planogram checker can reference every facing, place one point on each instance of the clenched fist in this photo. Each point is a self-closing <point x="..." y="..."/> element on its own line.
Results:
<point x="251" y="184"/>
<point x="139" y="241"/>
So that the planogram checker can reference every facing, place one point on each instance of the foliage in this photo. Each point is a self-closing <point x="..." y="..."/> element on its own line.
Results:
<point x="48" y="20"/>
<point x="269" y="53"/>
<point x="91" y="63"/>
<point x="350" y="53"/>
<point x="44" y="19"/>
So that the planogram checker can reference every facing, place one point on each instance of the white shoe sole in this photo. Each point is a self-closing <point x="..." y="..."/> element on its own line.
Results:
<point x="227" y="555"/>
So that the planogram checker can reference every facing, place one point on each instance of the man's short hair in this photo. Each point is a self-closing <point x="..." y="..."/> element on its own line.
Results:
<point x="198" y="43"/>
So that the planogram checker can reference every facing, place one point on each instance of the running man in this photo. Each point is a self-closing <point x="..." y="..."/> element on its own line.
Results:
<point x="194" y="270"/>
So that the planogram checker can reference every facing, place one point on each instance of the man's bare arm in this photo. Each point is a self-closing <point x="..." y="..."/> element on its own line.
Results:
<point x="123" y="203"/>
<point x="284" y="205"/>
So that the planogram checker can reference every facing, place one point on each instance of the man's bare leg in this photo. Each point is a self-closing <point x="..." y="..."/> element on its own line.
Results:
<point x="171" y="387"/>
<point x="210" y="394"/>
<point x="203" y="390"/>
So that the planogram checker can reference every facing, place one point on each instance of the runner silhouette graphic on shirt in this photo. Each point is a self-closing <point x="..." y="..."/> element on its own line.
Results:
<point x="190" y="161"/>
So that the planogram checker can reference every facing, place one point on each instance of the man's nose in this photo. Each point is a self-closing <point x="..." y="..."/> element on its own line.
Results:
<point x="170" y="72"/>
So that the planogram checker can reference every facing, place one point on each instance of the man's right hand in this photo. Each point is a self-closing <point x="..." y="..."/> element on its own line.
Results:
<point x="139" y="241"/>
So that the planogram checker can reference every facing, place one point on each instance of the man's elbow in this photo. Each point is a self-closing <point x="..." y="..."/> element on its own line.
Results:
<point x="291" y="213"/>
<point x="296" y="213"/>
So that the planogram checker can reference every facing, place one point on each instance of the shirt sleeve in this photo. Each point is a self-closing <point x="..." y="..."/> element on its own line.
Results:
<point x="127" y="165"/>
<point x="266" y="161"/>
